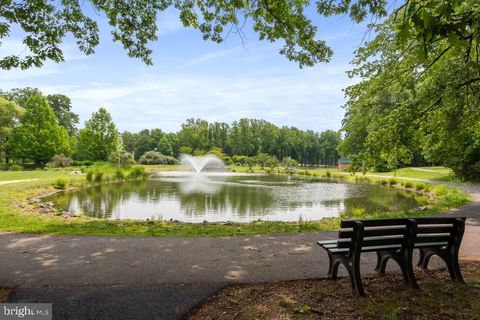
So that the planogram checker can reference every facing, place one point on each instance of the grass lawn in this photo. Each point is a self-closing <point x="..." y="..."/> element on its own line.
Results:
<point x="426" y="173"/>
<point x="387" y="298"/>
<point x="17" y="215"/>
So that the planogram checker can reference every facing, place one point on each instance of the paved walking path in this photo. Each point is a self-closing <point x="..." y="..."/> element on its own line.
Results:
<point x="90" y="277"/>
<point x="15" y="181"/>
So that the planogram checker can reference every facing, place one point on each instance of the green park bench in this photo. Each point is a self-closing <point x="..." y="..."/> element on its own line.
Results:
<point x="395" y="239"/>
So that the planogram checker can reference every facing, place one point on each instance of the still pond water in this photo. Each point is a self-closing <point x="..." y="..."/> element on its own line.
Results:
<point x="240" y="198"/>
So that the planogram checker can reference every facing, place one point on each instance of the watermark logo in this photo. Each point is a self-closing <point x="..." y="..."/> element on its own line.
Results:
<point x="37" y="311"/>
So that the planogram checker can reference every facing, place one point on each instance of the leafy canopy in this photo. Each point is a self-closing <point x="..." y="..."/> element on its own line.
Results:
<point x="39" y="136"/>
<point x="134" y="24"/>
<point x="418" y="99"/>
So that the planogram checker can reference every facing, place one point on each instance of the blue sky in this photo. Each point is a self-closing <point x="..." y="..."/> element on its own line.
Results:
<point x="199" y="79"/>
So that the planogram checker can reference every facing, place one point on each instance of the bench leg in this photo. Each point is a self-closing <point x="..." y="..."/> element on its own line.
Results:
<point x="453" y="265"/>
<point x="335" y="266"/>
<point x="330" y="265"/>
<point x="379" y="260"/>
<point x="407" y="268"/>
<point x="355" y="277"/>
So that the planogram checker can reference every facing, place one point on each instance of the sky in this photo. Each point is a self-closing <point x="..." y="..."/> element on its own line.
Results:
<point x="193" y="78"/>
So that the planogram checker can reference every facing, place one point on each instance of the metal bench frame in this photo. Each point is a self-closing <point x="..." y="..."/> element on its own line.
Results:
<point x="395" y="239"/>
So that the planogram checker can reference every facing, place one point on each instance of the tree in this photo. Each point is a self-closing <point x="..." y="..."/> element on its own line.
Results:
<point x="289" y="163"/>
<point x="328" y="145"/>
<point x="99" y="137"/>
<point x="134" y="25"/>
<point x="62" y="106"/>
<point x="10" y="113"/>
<point x="20" y="95"/>
<point x="119" y="157"/>
<point x="418" y="96"/>
<point x="39" y="136"/>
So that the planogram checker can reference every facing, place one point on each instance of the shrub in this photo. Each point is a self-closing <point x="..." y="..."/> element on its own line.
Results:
<point x="121" y="158"/>
<point x="392" y="181"/>
<point x="88" y="163"/>
<point x="329" y="175"/>
<point x="408" y="184"/>
<point x="98" y="176"/>
<point x="60" y="183"/>
<point x="154" y="157"/>
<point x="15" y="167"/>
<point x="419" y="186"/>
<point x="136" y="172"/>
<point x="60" y="161"/>
<point x="120" y="174"/>
<point x="89" y="176"/>
<point x="383" y="182"/>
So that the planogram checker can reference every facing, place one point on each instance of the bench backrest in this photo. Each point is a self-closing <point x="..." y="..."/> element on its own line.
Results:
<point x="440" y="229"/>
<point x="374" y="232"/>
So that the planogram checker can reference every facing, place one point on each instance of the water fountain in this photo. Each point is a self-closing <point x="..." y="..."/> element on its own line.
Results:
<point x="199" y="163"/>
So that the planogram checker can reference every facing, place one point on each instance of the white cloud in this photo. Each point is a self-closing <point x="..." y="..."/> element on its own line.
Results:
<point x="308" y="100"/>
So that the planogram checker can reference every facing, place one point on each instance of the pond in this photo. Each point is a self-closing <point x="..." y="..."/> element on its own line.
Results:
<point x="230" y="197"/>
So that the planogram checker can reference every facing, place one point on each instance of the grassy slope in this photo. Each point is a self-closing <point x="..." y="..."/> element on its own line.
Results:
<point x="16" y="215"/>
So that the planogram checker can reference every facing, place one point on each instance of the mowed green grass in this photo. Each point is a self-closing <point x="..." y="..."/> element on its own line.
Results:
<point x="425" y="173"/>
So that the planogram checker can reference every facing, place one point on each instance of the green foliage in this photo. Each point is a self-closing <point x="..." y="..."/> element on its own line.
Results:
<point x="419" y="186"/>
<point x="289" y="163"/>
<point x="136" y="172"/>
<point x="98" y="176"/>
<point x="60" y="183"/>
<point x="408" y="185"/>
<point x="417" y="102"/>
<point x="15" y="167"/>
<point x="392" y="181"/>
<point x="134" y="25"/>
<point x="120" y="174"/>
<point x="62" y="106"/>
<point x="120" y="157"/>
<point x="10" y="114"/>
<point x="98" y="139"/>
<point x="60" y="161"/>
<point x="39" y="136"/>
<point x="244" y="138"/>
<point x="89" y="176"/>
<point x="154" y="157"/>
<point x="186" y="150"/>
<point x="384" y="182"/>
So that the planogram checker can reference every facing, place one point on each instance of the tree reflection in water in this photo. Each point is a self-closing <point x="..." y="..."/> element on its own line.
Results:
<point x="231" y="198"/>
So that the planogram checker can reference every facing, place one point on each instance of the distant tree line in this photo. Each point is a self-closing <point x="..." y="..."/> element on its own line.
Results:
<point x="35" y="127"/>
<point x="246" y="137"/>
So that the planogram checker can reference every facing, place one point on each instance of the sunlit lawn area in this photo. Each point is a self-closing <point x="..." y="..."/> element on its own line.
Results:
<point x="427" y="173"/>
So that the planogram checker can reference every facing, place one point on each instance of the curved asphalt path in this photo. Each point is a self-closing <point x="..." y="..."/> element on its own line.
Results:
<point x="91" y="277"/>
